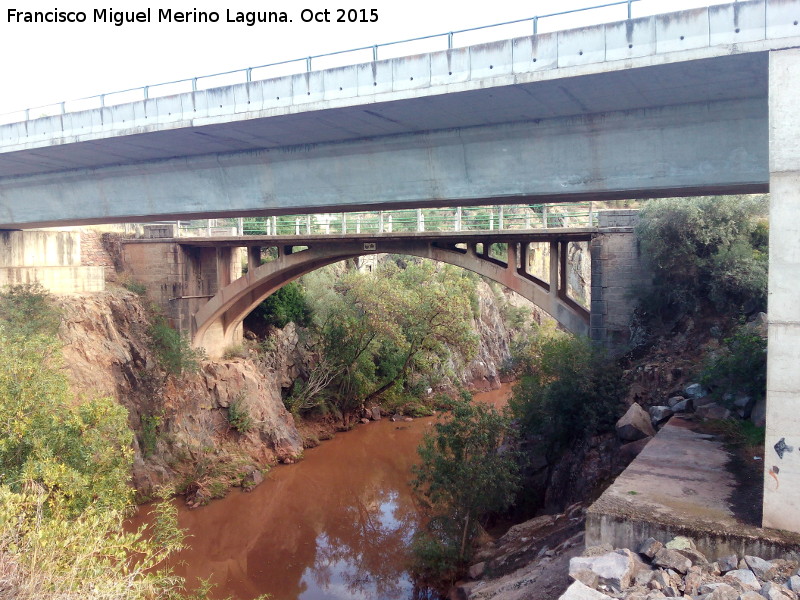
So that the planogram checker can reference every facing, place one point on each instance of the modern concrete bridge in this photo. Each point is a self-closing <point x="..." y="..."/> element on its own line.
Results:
<point x="696" y="102"/>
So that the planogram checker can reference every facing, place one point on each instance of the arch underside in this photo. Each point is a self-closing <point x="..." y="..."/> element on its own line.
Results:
<point x="218" y="324"/>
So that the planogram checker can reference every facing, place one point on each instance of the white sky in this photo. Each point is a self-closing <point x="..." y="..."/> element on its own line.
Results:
<point x="47" y="63"/>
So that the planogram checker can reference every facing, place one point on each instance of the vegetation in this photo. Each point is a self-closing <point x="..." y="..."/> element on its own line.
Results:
<point x="239" y="416"/>
<point x="288" y="303"/>
<point x="710" y="249"/>
<point x="464" y="476"/>
<point x="740" y="367"/>
<point x="64" y="470"/>
<point x="173" y="348"/>
<point x="386" y="335"/>
<point x="568" y="390"/>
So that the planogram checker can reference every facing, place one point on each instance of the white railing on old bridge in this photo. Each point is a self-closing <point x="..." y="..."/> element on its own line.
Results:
<point x="518" y="217"/>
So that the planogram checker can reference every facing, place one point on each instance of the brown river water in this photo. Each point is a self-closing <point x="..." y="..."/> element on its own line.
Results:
<point x="335" y="526"/>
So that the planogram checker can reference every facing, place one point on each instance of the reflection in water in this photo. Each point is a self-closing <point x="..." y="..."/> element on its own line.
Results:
<point x="335" y="526"/>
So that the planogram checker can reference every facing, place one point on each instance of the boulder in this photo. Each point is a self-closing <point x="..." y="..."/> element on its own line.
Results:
<point x="675" y="400"/>
<point x="634" y="424"/>
<point x="759" y="414"/>
<point x="659" y="414"/>
<point x="728" y="563"/>
<point x="695" y="391"/>
<point x="745" y="577"/>
<point x="775" y="591"/>
<point x="684" y="406"/>
<point x="743" y="405"/>
<point x="680" y="542"/>
<point x="579" y="591"/>
<point x="794" y="583"/>
<point x="476" y="570"/>
<point x="712" y="410"/>
<point x="672" y="559"/>
<point x="650" y="547"/>
<point x="631" y="450"/>
<point x="612" y="569"/>
<point x="760" y="567"/>
<point x="252" y="478"/>
<point x="376" y="413"/>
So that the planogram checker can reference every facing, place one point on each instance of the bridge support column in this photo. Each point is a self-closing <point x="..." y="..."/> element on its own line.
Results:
<point x="224" y="269"/>
<point x="616" y="270"/>
<point x="782" y="445"/>
<point x="554" y="268"/>
<point x="253" y="258"/>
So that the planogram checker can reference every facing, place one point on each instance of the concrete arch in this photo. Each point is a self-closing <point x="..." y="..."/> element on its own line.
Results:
<point x="218" y="324"/>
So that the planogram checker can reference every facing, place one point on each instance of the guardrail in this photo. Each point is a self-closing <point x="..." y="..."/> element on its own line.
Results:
<point x="262" y="72"/>
<point x="475" y="218"/>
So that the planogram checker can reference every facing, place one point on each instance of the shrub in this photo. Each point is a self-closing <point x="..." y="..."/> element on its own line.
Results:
<point x="287" y="304"/>
<point x="235" y="351"/>
<point x="239" y="416"/>
<point x="464" y="476"/>
<point x="704" y="249"/>
<point x="740" y="367"/>
<point x="172" y="348"/>
<point x="569" y="390"/>
<point x="27" y="310"/>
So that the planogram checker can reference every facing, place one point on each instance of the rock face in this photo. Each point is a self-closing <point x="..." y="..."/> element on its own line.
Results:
<point x="483" y="372"/>
<point x="107" y="354"/>
<point x="635" y="424"/>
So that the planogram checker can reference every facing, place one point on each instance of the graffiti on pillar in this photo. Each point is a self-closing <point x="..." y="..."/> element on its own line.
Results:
<point x="774" y="474"/>
<point x="781" y="448"/>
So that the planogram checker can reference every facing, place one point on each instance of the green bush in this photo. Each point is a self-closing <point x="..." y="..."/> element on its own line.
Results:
<point x="740" y="367"/>
<point x="28" y="309"/>
<point x="287" y="304"/>
<point x="710" y="249"/>
<point x="569" y="390"/>
<point x="173" y="348"/>
<point x="239" y="416"/>
<point x="464" y="476"/>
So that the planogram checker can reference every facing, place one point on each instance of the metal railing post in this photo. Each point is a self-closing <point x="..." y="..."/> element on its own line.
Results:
<point x="420" y="221"/>
<point x="630" y="9"/>
<point x="297" y="226"/>
<point x="380" y="221"/>
<point x="458" y="218"/>
<point x="240" y="225"/>
<point x="308" y="224"/>
<point x="500" y="218"/>
<point x="344" y="222"/>
<point x="274" y="225"/>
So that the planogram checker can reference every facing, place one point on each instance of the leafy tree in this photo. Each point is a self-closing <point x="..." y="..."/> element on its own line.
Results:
<point x="287" y="304"/>
<point x="464" y="475"/>
<point x="740" y="367"/>
<point x="568" y="391"/>
<point x="704" y="249"/>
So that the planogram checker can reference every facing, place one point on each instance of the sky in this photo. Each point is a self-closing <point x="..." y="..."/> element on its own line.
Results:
<point x="46" y="63"/>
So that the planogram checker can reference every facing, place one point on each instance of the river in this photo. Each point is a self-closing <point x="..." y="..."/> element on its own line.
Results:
<point x="335" y="526"/>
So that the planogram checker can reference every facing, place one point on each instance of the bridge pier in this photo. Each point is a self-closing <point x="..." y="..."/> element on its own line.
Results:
<point x="782" y="444"/>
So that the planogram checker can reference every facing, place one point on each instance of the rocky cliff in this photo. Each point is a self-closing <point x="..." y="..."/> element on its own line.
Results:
<point x="184" y="433"/>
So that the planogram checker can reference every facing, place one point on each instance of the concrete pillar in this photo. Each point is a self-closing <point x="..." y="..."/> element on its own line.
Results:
<point x="224" y="275"/>
<point x="420" y="220"/>
<point x="274" y="225"/>
<point x="458" y="218"/>
<point x="344" y="222"/>
<point x="500" y="219"/>
<point x="253" y="258"/>
<point x="782" y="445"/>
<point x="308" y="224"/>
<point x="563" y="254"/>
<point x="554" y="265"/>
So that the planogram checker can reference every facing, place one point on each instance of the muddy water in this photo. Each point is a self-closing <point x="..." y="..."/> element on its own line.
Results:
<point x="334" y="526"/>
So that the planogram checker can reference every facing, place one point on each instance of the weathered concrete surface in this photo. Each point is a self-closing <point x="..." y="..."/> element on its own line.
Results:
<point x="617" y="269"/>
<point x="782" y="447"/>
<point x="667" y="105"/>
<point x="49" y="258"/>
<point x="679" y="485"/>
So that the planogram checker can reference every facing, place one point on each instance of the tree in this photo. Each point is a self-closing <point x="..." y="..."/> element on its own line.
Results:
<point x="465" y="474"/>
<point x="704" y="249"/>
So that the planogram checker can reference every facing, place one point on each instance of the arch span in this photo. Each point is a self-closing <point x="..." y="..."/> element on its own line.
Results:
<point x="218" y="324"/>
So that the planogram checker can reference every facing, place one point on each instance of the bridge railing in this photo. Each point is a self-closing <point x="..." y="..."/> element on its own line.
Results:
<point x="612" y="11"/>
<point x="474" y="218"/>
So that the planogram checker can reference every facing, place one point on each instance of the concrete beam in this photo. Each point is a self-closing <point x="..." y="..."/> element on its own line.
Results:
<point x="711" y="147"/>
